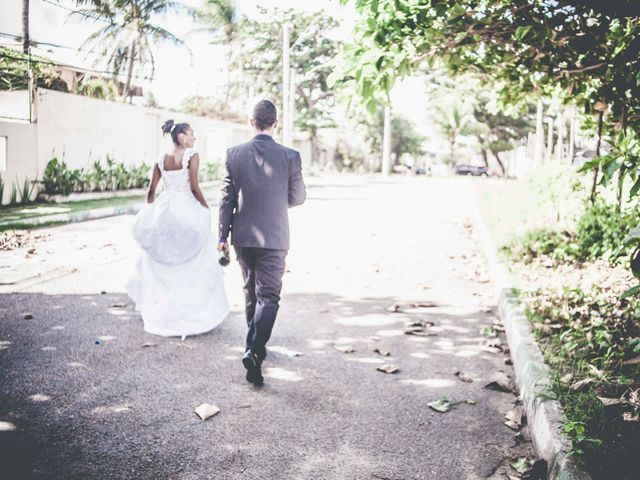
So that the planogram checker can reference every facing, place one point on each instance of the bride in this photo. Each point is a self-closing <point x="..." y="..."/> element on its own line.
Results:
<point x="177" y="283"/>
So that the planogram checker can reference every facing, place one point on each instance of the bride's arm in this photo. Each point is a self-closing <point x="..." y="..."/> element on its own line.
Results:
<point x="151" y="194"/>
<point x="194" y="167"/>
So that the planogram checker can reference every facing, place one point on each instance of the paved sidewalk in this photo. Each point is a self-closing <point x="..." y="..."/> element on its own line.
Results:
<point x="361" y="244"/>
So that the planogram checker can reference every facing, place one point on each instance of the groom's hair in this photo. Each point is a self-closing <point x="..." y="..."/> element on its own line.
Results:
<point x="264" y="114"/>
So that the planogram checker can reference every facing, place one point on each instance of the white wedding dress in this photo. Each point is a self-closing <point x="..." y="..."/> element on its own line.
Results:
<point x="177" y="284"/>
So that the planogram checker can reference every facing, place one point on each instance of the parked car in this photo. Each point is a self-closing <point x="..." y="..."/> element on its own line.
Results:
<point x="473" y="170"/>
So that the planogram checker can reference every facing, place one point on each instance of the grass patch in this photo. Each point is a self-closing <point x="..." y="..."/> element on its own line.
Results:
<point x="591" y="342"/>
<point x="24" y="212"/>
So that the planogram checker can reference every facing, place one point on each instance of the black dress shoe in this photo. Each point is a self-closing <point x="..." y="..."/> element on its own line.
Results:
<point x="252" y="364"/>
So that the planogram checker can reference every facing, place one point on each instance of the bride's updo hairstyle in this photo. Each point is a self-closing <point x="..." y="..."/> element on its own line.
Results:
<point x="174" y="129"/>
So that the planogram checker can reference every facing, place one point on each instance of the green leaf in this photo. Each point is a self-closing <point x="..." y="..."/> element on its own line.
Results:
<point x="520" y="465"/>
<point x="521" y="32"/>
<point x="632" y="292"/>
<point x="442" y="405"/>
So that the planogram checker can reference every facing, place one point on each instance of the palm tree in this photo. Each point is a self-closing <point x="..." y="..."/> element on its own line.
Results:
<point x="221" y="20"/>
<point x="25" y="26"/>
<point x="453" y="123"/>
<point x="128" y="38"/>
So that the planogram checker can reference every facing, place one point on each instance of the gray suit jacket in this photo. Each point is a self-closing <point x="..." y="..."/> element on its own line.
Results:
<point x="262" y="180"/>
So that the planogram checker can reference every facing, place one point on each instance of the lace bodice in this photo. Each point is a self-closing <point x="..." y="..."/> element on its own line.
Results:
<point x="177" y="180"/>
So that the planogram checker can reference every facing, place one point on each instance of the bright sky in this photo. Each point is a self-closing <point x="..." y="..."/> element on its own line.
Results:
<point x="177" y="74"/>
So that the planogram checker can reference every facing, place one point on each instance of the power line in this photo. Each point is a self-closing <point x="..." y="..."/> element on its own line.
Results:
<point x="77" y="12"/>
<point x="62" y="65"/>
<point x="35" y="43"/>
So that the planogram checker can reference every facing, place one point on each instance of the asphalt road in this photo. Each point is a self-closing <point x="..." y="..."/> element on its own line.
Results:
<point x="82" y="398"/>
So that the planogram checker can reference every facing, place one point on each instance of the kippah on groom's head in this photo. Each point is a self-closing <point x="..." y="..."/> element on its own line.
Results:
<point x="264" y="114"/>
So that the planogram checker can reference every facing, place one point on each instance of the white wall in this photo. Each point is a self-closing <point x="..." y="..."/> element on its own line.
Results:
<point x="21" y="160"/>
<point x="81" y="130"/>
<point x="14" y="104"/>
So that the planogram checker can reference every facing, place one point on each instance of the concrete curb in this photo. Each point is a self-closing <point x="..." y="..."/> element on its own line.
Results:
<point x="82" y="215"/>
<point x="544" y="415"/>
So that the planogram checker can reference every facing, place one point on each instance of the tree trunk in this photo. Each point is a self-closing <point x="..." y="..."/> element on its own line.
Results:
<point x="127" y="87"/>
<point x="483" y="151"/>
<point x="313" y="140"/>
<point x="497" y="156"/>
<point x="596" y="172"/>
<point x="228" y="91"/>
<point x="25" y="26"/>
<point x="621" y="171"/>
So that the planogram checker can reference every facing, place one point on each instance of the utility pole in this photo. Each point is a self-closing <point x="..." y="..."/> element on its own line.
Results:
<point x="538" y="148"/>
<point x="560" y="147"/>
<point x="292" y="104"/>
<point x="386" y="142"/>
<point x="286" y="77"/>
<point x="572" y="135"/>
<point x="26" y="48"/>
<point x="549" y="139"/>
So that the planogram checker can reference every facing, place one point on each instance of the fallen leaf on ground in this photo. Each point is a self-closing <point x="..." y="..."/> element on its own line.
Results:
<point x="206" y="410"/>
<point x="520" y="465"/>
<point x="581" y="384"/>
<point x="515" y="417"/>
<point x="566" y="378"/>
<point x="28" y="316"/>
<point x="419" y="332"/>
<point x="106" y="338"/>
<point x="610" y="402"/>
<point x="414" y="324"/>
<point x="631" y="361"/>
<point x="423" y="305"/>
<point x="285" y="351"/>
<point x="500" y="382"/>
<point x="31" y="251"/>
<point x="149" y="344"/>
<point x="443" y="405"/>
<point x="488" y="332"/>
<point x="463" y="377"/>
<point x="344" y="348"/>
<point x="470" y="402"/>
<point x="384" y="353"/>
<point x="488" y="349"/>
<point x="388" y="368"/>
<point x="395" y="308"/>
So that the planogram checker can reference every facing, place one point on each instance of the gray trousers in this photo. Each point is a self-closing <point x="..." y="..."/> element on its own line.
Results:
<point x="262" y="270"/>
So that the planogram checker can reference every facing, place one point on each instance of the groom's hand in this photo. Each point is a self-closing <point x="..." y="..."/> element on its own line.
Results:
<point x="223" y="247"/>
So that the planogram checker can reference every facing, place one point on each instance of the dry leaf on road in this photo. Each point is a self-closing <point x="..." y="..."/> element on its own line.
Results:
<point x="206" y="410"/>
<point x="344" y="348"/>
<point x="388" y="368"/>
<point x="384" y="353"/>
<point x="500" y="382"/>
<point x="463" y="377"/>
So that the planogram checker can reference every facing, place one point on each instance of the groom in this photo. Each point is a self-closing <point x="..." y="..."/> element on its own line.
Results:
<point x="262" y="180"/>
